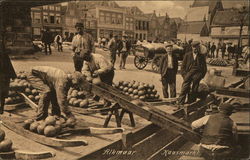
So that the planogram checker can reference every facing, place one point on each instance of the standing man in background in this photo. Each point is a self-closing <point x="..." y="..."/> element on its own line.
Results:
<point x="126" y="46"/>
<point x="47" y="39"/>
<point x="223" y="50"/>
<point x="82" y="43"/>
<point x="168" y="69"/>
<point x="213" y="48"/>
<point x="112" y="45"/>
<point x="218" y="49"/>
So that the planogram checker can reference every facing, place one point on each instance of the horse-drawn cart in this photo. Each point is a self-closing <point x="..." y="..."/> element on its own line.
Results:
<point x="151" y="53"/>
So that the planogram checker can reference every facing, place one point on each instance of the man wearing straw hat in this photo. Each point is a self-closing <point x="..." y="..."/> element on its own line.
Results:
<point x="168" y="69"/>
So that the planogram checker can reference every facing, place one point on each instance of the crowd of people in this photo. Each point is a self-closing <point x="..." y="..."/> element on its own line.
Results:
<point x="53" y="83"/>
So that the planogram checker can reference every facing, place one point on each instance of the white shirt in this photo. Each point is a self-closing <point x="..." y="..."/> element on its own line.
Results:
<point x="170" y="61"/>
<point x="194" y="55"/>
<point x="78" y="43"/>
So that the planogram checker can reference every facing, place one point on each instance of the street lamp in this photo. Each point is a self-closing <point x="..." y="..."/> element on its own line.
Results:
<point x="242" y="10"/>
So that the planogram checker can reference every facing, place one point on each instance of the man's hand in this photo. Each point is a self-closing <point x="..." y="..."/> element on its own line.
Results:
<point x="95" y="74"/>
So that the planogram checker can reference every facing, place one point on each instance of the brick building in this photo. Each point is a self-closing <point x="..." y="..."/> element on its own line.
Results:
<point x="47" y="16"/>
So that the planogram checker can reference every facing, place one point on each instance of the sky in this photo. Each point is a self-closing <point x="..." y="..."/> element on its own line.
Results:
<point x="173" y="8"/>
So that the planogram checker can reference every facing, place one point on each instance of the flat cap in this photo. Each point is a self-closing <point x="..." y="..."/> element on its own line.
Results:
<point x="79" y="24"/>
<point x="226" y="107"/>
<point x="169" y="44"/>
<point x="195" y="43"/>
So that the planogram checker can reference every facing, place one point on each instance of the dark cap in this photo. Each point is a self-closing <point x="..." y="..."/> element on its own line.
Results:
<point x="226" y="107"/>
<point x="79" y="24"/>
<point x="168" y="44"/>
<point x="195" y="43"/>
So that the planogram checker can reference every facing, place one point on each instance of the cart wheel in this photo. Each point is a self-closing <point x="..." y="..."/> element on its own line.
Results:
<point x="140" y="62"/>
<point x="156" y="63"/>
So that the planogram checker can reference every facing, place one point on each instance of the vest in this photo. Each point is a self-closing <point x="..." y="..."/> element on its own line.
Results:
<point x="218" y="130"/>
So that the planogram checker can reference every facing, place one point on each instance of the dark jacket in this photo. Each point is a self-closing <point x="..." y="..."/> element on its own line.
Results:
<point x="7" y="72"/>
<point x="218" y="130"/>
<point x="56" y="79"/>
<point x="164" y="64"/>
<point x="213" y="47"/>
<point x="47" y="37"/>
<point x="6" y="69"/>
<point x="188" y="62"/>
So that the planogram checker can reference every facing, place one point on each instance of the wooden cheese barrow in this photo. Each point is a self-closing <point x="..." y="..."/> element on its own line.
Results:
<point x="144" y="110"/>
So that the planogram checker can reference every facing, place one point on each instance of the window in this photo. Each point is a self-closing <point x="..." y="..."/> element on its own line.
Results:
<point x="108" y="18"/>
<point x="58" y="19"/>
<point x="36" y="31"/>
<point x="131" y="26"/>
<point x="52" y="8"/>
<point x="140" y="36"/>
<point x="45" y="7"/>
<point x="52" y="19"/>
<point x="58" y="8"/>
<point x="222" y="29"/>
<point x="119" y="19"/>
<point x="46" y="18"/>
<point x="127" y="25"/>
<point x="113" y="19"/>
<point x="37" y="17"/>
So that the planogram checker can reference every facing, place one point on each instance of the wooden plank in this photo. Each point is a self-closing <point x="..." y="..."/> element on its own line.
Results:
<point x="20" y="154"/>
<point x="8" y="122"/>
<point x="169" y="122"/>
<point x="236" y="92"/>
<point x="12" y="107"/>
<point x="172" y="146"/>
<point x="148" y="146"/>
<point x="138" y="135"/>
<point x="88" y="111"/>
<point x="194" y="106"/>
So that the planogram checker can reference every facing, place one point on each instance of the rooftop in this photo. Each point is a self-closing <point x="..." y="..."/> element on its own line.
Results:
<point x="192" y="27"/>
<point x="228" y="17"/>
<point x="197" y="14"/>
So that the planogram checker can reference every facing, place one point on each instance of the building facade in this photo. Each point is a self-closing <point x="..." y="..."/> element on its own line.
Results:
<point x="47" y="16"/>
<point x="226" y="26"/>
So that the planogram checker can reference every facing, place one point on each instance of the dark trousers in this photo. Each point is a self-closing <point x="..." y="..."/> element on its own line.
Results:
<point x="78" y="63"/>
<point x="59" y="47"/>
<point x="4" y="90"/>
<point x="47" y="46"/>
<point x="169" y="79"/>
<point x="113" y="57"/>
<point x="124" y="55"/>
<point x="212" y="54"/>
<point x="217" y="52"/>
<point x="47" y="96"/>
<point x="108" y="79"/>
<point x="193" y="77"/>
